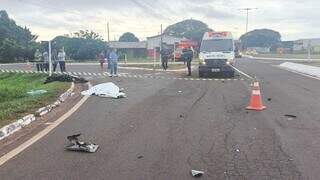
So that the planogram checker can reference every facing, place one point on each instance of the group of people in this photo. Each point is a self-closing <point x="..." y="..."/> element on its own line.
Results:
<point x="186" y="56"/>
<point x="42" y="60"/>
<point x="111" y="58"/>
<point x="112" y="61"/>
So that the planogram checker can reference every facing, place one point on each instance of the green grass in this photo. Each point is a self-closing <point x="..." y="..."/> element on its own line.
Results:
<point x="292" y="56"/>
<point x="14" y="100"/>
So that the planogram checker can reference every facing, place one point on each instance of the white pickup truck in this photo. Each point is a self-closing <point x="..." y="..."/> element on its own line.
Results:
<point x="217" y="55"/>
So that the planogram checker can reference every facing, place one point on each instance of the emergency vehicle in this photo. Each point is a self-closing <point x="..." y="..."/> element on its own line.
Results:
<point x="217" y="55"/>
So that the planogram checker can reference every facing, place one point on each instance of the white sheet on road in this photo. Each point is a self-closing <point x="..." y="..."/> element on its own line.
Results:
<point x="305" y="69"/>
<point x="104" y="90"/>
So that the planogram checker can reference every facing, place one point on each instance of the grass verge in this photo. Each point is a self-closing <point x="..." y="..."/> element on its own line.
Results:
<point x="14" y="100"/>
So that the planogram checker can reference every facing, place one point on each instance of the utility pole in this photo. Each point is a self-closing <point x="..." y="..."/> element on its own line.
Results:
<point x="247" y="22"/>
<point x="160" y="42"/>
<point x="108" y="32"/>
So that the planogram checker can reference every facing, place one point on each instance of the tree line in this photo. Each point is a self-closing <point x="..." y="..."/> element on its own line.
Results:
<point x="18" y="44"/>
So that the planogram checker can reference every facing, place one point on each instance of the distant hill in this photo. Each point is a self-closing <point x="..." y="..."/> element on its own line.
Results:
<point x="191" y="29"/>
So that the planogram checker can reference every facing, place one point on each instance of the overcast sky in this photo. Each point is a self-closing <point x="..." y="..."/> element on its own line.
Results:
<point x="294" y="19"/>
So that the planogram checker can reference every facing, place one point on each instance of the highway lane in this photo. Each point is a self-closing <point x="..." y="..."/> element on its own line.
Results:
<point x="206" y="127"/>
<point x="292" y="94"/>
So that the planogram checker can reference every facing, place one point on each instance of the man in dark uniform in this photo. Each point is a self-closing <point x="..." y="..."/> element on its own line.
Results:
<point x="165" y="56"/>
<point x="187" y="55"/>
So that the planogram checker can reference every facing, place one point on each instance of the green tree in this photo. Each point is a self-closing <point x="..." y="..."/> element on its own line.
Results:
<point x="88" y="35"/>
<point x="83" y="45"/>
<point x="16" y="43"/>
<point x="191" y="29"/>
<point x="261" y="38"/>
<point x="128" y="37"/>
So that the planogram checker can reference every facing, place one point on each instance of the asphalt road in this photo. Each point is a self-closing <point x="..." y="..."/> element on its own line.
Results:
<point x="159" y="133"/>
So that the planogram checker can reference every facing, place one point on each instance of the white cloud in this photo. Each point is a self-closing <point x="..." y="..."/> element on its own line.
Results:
<point x="48" y="18"/>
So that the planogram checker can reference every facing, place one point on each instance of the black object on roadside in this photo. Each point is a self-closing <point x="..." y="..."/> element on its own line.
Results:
<point x="65" y="78"/>
<point x="196" y="173"/>
<point x="140" y="157"/>
<point x="290" y="116"/>
<point x="76" y="145"/>
<point x="269" y="99"/>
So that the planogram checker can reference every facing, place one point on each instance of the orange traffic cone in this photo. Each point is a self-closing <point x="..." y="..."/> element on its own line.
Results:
<point x="256" y="100"/>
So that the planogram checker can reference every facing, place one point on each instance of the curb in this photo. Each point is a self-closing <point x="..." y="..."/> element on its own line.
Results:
<point x="279" y="59"/>
<point x="26" y="120"/>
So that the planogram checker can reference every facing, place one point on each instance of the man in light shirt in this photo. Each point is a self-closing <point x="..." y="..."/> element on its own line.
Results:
<point x="62" y="60"/>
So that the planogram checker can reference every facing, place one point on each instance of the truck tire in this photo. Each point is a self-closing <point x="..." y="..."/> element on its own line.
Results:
<point x="201" y="74"/>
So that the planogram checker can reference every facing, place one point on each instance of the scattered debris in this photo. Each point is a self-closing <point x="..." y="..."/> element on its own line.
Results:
<point x="181" y="116"/>
<point x="238" y="150"/>
<point x="77" y="145"/>
<point x="36" y="92"/>
<point x="247" y="112"/>
<point x="196" y="173"/>
<point x="65" y="78"/>
<point x="290" y="116"/>
<point x="222" y="81"/>
<point x="140" y="157"/>
<point x="269" y="99"/>
<point x="105" y="90"/>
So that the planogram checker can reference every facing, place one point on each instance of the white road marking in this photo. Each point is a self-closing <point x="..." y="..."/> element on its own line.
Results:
<point x="242" y="72"/>
<point x="41" y="134"/>
<point x="127" y="75"/>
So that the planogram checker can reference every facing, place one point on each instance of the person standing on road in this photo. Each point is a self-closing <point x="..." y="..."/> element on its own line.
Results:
<point x="165" y="56"/>
<point x="187" y="55"/>
<point x="62" y="60"/>
<point x="54" y="59"/>
<point x="101" y="59"/>
<point x="113" y="60"/>
<point x="38" y="60"/>
<point x="45" y="57"/>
